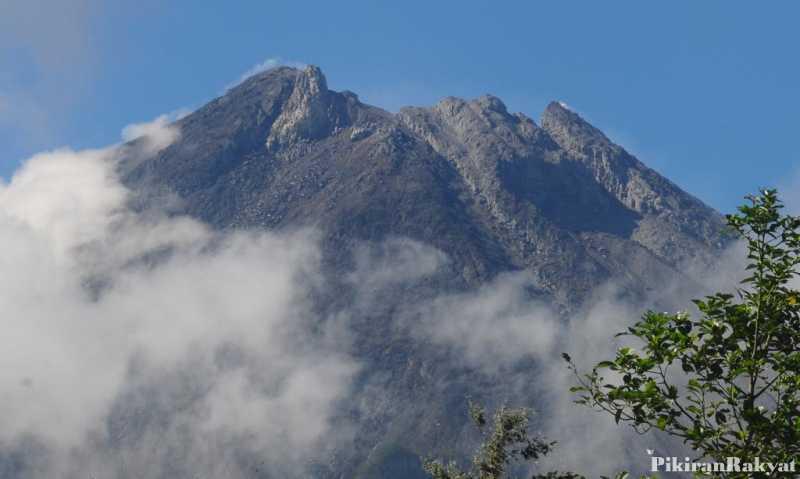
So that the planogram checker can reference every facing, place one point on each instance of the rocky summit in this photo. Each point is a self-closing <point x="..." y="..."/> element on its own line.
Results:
<point x="495" y="191"/>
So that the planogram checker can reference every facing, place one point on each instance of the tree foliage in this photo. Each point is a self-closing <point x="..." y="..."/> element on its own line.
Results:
<point x="506" y="442"/>
<point x="727" y="380"/>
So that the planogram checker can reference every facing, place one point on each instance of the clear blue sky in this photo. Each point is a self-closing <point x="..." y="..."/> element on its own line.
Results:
<point x="705" y="92"/>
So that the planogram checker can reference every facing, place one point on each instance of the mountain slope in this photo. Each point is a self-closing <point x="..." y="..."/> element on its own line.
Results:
<point x="494" y="190"/>
<point x="281" y="149"/>
<point x="674" y="225"/>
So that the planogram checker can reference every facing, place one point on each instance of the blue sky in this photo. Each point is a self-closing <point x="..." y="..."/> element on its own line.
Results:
<point x="704" y="92"/>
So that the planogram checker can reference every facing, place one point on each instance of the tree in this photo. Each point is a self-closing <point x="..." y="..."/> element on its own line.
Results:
<point x="506" y="442"/>
<point x="727" y="382"/>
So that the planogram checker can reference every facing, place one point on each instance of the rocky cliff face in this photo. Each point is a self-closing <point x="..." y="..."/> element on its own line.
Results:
<point x="282" y="149"/>
<point x="674" y="225"/>
<point x="494" y="190"/>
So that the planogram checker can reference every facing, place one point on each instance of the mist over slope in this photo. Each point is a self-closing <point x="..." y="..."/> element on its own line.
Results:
<point x="290" y="283"/>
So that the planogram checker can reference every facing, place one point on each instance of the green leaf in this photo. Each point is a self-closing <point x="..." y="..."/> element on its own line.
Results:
<point x="662" y="423"/>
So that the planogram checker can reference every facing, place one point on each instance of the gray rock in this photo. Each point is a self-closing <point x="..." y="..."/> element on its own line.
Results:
<point x="493" y="190"/>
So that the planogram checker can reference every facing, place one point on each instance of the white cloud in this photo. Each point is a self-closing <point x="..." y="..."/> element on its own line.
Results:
<point x="156" y="134"/>
<point x="495" y="326"/>
<point x="498" y="326"/>
<point x="88" y="315"/>
<point x="267" y="64"/>
<point x="394" y="261"/>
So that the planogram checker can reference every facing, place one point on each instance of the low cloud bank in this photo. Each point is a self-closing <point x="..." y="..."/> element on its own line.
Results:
<point x="206" y="338"/>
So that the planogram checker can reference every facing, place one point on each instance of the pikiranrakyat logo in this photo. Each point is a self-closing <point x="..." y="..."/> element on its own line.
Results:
<point x="731" y="464"/>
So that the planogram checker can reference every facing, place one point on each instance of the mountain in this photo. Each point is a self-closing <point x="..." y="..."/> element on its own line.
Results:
<point x="494" y="190"/>
<point x="558" y="199"/>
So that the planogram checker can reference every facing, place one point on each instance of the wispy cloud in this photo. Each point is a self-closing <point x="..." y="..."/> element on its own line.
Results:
<point x="499" y="324"/>
<point x="504" y="324"/>
<point x="267" y="64"/>
<point x="157" y="133"/>
<point x="52" y="66"/>
<point x="55" y="41"/>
